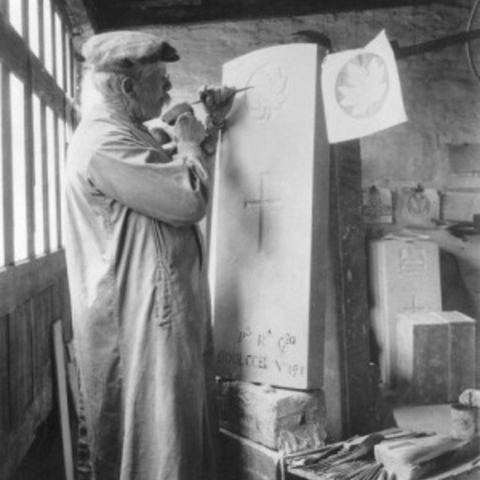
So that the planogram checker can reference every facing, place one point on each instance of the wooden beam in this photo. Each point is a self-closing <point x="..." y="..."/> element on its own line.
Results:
<point x="127" y="15"/>
<point x="60" y="369"/>
<point x="148" y="3"/>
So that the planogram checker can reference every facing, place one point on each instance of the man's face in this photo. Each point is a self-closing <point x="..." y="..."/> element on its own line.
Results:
<point x="152" y="93"/>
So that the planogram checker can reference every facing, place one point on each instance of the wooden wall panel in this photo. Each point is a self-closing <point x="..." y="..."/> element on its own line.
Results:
<point x="20" y="362"/>
<point x="32" y="296"/>
<point x="4" y="387"/>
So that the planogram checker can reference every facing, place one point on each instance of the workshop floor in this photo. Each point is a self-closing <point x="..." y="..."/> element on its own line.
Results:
<point x="44" y="460"/>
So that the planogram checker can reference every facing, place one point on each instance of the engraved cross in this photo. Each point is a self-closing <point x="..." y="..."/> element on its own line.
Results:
<point x="262" y="203"/>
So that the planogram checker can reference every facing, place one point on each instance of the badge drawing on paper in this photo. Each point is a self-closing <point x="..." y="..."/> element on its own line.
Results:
<point x="362" y="85"/>
<point x="418" y="204"/>
<point x="269" y="93"/>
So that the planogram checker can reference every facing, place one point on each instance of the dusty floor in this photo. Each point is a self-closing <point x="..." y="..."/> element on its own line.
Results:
<point x="44" y="460"/>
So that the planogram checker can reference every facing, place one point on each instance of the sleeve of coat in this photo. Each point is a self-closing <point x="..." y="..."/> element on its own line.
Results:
<point x="147" y="181"/>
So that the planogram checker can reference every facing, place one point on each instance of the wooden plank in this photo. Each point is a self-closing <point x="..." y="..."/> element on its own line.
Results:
<point x="348" y="237"/>
<point x="20" y="363"/>
<point x="7" y="172"/>
<point x="121" y="16"/>
<point x="4" y="7"/>
<point x="62" y="398"/>
<point x="4" y="384"/>
<point x="21" y="282"/>
<point x="41" y="322"/>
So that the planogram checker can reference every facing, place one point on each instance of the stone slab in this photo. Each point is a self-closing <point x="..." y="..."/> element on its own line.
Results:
<point x="405" y="276"/>
<point x="460" y="206"/>
<point x="242" y="459"/>
<point x="270" y="221"/>
<point x="436" y="352"/>
<point x="283" y="420"/>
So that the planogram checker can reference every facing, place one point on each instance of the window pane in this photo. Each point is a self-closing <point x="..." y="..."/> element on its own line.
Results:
<point x="2" y="246"/>
<point x="59" y="51"/>
<point x="61" y="173"/>
<point x="52" y="194"/>
<point x="15" y="15"/>
<point x="34" y="31"/>
<point x="47" y="23"/>
<point x="18" y="167"/>
<point x="38" y="172"/>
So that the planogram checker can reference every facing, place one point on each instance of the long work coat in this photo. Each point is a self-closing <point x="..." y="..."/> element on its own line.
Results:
<point x="140" y="303"/>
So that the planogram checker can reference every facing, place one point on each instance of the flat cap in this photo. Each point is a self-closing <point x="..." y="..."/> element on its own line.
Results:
<point x="121" y="50"/>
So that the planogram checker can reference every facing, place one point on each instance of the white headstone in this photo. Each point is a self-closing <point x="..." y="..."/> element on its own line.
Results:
<point x="405" y="275"/>
<point x="270" y="221"/>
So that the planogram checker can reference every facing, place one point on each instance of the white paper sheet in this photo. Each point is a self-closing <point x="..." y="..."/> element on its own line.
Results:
<point x="361" y="91"/>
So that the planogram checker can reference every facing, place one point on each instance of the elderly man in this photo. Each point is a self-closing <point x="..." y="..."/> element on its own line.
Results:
<point x="136" y="268"/>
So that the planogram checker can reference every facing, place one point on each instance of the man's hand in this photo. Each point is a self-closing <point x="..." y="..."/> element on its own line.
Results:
<point x="217" y="102"/>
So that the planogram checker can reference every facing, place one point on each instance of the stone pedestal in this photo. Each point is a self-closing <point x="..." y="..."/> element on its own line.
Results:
<point x="283" y="420"/>
<point x="242" y="459"/>
<point x="435" y="356"/>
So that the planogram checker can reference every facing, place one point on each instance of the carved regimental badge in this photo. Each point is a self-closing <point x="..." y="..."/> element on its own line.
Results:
<point x="269" y="92"/>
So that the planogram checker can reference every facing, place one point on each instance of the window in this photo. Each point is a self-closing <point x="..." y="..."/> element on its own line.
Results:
<point x="39" y="176"/>
<point x="17" y="115"/>
<point x="34" y="27"/>
<point x="15" y="15"/>
<point x="48" y="35"/>
<point x="36" y="86"/>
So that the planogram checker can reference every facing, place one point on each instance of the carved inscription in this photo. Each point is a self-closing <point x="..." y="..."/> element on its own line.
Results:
<point x="272" y="352"/>
<point x="412" y="260"/>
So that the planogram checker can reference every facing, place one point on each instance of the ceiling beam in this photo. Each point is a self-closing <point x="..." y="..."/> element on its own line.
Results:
<point x="128" y="13"/>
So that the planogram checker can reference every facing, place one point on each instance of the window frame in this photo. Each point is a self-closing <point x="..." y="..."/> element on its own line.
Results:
<point x="18" y="59"/>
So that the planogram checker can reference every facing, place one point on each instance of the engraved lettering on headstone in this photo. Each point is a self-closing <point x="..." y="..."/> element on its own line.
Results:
<point x="262" y="203"/>
<point x="269" y="92"/>
<point x="411" y="260"/>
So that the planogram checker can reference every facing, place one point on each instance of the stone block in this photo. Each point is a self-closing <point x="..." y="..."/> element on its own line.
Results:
<point x="242" y="459"/>
<point x="435" y="356"/>
<point x="286" y="420"/>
